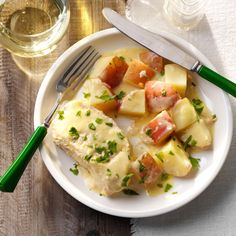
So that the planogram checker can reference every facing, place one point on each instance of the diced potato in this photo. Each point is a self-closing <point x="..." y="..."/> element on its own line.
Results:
<point x="160" y="96"/>
<point x="175" y="159"/>
<point x="153" y="60"/>
<point x="183" y="114"/>
<point x="97" y="93"/>
<point x="138" y="74"/>
<point x="199" y="132"/>
<point x="160" y="127"/>
<point x="146" y="170"/>
<point x="114" y="71"/>
<point x="100" y="66"/>
<point x="177" y="77"/>
<point x="134" y="103"/>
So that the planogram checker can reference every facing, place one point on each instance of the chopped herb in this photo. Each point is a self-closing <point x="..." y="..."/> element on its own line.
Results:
<point x="112" y="147"/>
<point x="87" y="95"/>
<point x="189" y="142"/>
<point x="164" y="177"/>
<point x="141" y="167"/>
<point x="159" y="155"/>
<point x="173" y="138"/>
<point x="109" y="124"/>
<point x="129" y="157"/>
<point x="160" y="185"/>
<point x="179" y="146"/>
<point x="174" y="193"/>
<point x="167" y="187"/>
<point x="171" y="153"/>
<point x="85" y="138"/>
<point x="198" y="105"/>
<point x="148" y="132"/>
<point x="103" y="159"/>
<point x="90" y="146"/>
<point x="214" y="117"/>
<point x="120" y="135"/>
<point x="61" y="115"/>
<point x="109" y="172"/>
<point x="162" y="73"/>
<point x="100" y="150"/>
<point x="126" y="179"/>
<point x="106" y="97"/>
<point x="87" y="157"/>
<point x="120" y="95"/>
<point x="75" y="170"/>
<point x="163" y="92"/>
<point x="92" y="126"/>
<point x="128" y="191"/>
<point x="74" y="133"/>
<point x="88" y="112"/>
<point x="94" y="137"/>
<point x="99" y="121"/>
<point x="78" y="113"/>
<point x="122" y="58"/>
<point x="142" y="180"/>
<point x="195" y="162"/>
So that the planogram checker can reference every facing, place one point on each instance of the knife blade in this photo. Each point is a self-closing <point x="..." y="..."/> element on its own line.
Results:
<point x="166" y="49"/>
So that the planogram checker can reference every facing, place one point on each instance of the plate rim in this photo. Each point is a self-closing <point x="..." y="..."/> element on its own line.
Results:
<point x="66" y="186"/>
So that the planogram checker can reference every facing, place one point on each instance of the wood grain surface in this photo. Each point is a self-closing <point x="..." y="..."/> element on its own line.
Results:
<point x="39" y="206"/>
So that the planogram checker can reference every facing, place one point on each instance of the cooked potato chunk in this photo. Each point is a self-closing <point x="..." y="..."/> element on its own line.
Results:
<point x="134" y="103"/>
<point x="138" y="74"/>
<point x="98" y="94"/>
<point x="175" y="159"/>
<point x="114" y="71"/>
<point x="160" y="127"/>
<point x="160" y="96"/>
<point x="199" y="134"/>
<point x="183" y="114"/>
<point x="177" y="77"/>
<point x="153" y="60"/>
<point x="147" y="170"/>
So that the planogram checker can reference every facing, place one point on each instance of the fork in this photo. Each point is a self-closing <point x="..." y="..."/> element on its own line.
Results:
<point x="73" y="76"/>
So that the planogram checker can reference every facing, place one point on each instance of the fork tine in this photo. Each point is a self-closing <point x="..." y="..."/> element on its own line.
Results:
<point x="81" y="74"/>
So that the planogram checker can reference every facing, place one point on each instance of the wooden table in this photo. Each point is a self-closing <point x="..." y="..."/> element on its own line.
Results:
<point x="39" y="206"/>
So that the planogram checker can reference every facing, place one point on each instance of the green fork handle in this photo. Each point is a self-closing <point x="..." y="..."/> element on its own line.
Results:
<point x="220" y="81"/>
<point x="12" y="175"/>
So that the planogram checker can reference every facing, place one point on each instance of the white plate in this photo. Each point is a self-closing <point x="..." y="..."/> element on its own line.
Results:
<point x="134" y="206"/>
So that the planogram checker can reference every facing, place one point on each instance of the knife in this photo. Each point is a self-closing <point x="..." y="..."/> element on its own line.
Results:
<point x="166" y="49"/>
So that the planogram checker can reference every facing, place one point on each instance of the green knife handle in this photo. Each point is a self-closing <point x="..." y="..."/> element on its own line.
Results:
<point x="220" y="81"/>
<point x="12" y="175"/>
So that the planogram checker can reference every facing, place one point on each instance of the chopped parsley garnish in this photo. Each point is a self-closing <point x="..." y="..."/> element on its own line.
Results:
<point x="99" y="120"/>
<point x="148" y="132"/>
<point x="61" y="115"/>
<point x="160" y="185"/>
<point x="214" y="117"/>
<point x="195" y="162"/>
<point x="160" y="155"/>
<point x="78" y="113"/>
<point x="109" y="173"/>
<point x="100" y="150"/>
<point x="120" y="135"/>
<point x="120" y="95"/>
<point x="174" y="193"/>
<point x="94" y="137"/>
<point x="103" y="159"/>
<point x="88" y="157"/>
<point x="126" y="179"/>
<point x="141" y="167"/>
<point x="75" y="170"/>
<point x="163" y="92"/>
<point x="112" y="147"/>
<point x="171" y="153"/>
<point x="87" y="95"/>
<point x="85" y="138"/>
<point x="162" y="73"/>
<point x="167" y="187"/>
<point x="92" y="126"/>
<point x="128" y="191"/>
<point x="109" y="124"/>
<point x="106" y="97"/>
<point x="164" y="177"/>
<point x="179" y="146"/>
<point x="122" y="58"/>
<point x="198" y="105"/>
<point x="74" y="133"/>
<point x="189" y="142"/>
<point x="88" y="113"/>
